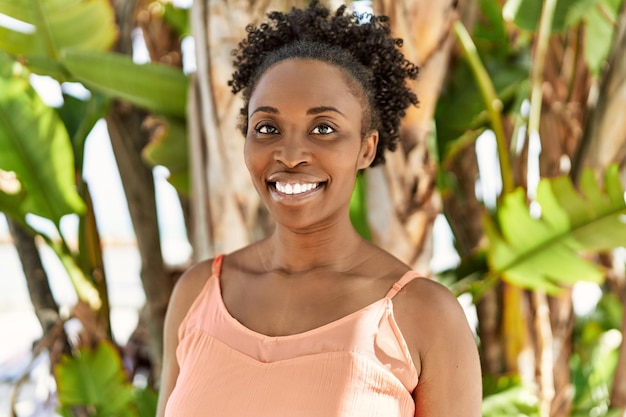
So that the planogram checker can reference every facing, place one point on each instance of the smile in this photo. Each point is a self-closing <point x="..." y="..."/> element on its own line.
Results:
<point x="295" y="188"/>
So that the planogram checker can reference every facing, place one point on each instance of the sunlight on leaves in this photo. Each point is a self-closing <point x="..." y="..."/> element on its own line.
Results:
<point x="546" y="252"/>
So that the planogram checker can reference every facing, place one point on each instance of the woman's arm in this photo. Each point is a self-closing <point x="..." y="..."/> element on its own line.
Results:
<point x="442" y="344"/>
<point x="185" y="292"/>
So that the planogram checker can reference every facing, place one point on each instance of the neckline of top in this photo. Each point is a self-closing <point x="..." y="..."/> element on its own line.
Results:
<point x="386" y="300"/>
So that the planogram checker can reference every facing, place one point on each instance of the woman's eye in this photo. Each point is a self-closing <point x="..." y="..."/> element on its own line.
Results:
<point x="323" y="130"/>
<point x="266" y="130"/>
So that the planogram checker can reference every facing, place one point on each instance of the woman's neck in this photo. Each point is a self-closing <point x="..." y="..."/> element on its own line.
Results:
<point x="335" y="247"/>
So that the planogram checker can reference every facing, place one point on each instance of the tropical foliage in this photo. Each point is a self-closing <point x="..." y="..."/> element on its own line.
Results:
<point x="527" y="73"/>
<point x="524" y="79"/>
<point x="93" y="380"/>
<point x="536" y="253"/>
<point x="41" y="166"/>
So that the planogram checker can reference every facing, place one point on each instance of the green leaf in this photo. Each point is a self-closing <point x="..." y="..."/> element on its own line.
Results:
<point x="461" y="114"/>
<point x="543" y="253"/>
<point x="155" y="87"/>
<point x="170" y="149"/>
<point x="177" y="18"/>
<point x="599" y="29"/>
<point x="146" y="402"/>
<point x="36" y="148"/>
<point x="490" y="33"/>
<point x="358" y="207"/>
<point x="597" y="217"/>
<point x="12" y="196"/>
<point x="592" y="372"/>
<point x="94" y="379"/>
<point x="6" y="65"/>
<point x="85" y="289"/>
<point x="517" y="401"/>
<point x="508" y="396"/>
<point x="80" y="117"/>
<point x="527" y="13"/>
<point x="52" y="25"/>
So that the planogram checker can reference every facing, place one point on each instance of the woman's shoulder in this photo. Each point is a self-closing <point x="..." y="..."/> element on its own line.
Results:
<point x="425" y="292"/>
<point x="190" y="284"/>
<point x="428" y="313"/>
<point x="431" y="302"/>
<point x="443" y="348"/>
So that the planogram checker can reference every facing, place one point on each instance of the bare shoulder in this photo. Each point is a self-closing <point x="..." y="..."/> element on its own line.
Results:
<point x="443" y="349"/>
<point x="190" y="283"/>
<point x="185" y="292"/>
<point x="427" y="313"/>
<point x="429" y="299"/>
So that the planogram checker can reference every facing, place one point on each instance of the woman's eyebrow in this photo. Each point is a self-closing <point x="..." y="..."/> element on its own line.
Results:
<point x="311" y="111"/>
<point x="322" y="109"/>
<point x="266" y="109"/>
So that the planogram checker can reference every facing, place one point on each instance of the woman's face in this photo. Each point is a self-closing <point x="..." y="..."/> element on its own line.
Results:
<point x="303" y="145"/>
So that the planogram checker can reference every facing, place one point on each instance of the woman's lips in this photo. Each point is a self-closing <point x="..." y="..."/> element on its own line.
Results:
<point x="290" y="188"/>
<point x="284" y="191"/>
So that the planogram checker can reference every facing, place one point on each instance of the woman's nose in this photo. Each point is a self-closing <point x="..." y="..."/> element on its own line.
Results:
<point x="292" y="152"/>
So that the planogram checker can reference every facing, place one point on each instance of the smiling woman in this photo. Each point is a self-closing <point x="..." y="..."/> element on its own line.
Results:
<point x="306" y="137"/>
<point x="314" y="320"/>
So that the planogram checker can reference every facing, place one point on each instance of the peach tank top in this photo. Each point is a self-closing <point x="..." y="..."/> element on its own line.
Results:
<point x="357" y="366"/>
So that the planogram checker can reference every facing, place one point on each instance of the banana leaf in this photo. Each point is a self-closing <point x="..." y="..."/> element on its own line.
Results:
<point x="37" y="151"/>
<point x="155" y="87"/>
<point x="358" y="207"/>
<point x="546" y="252"/>
<point x="526" y="13"/>
<point x="49" y="26"/>
<point x="168" y="147"/>
<point x="94" y="379"/>
<point x="598" y="17"/>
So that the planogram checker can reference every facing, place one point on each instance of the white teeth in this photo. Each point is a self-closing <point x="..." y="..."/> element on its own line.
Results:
<point x="292" y="189"/>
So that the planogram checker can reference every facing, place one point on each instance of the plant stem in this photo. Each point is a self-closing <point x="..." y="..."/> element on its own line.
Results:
<point x="542" y="322"/>
<point x="44" y="25"/>
<point x="545" y="367"/>
<point x="536" y="77"/>
<point x="84" y="288"/>
<point x="492" y="102"/>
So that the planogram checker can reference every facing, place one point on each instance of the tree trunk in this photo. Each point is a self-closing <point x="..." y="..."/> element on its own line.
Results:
<point x="225" y="207"/>
<point x="604" y="140"/>
<point x="46" y="308"/>
<point x="604" y="143"/>
<point x="618" y="391"/>
<point x="402" y="198"/>
<point x="128" y="139"/>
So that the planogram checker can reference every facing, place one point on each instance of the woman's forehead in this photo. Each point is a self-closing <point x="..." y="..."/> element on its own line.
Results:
<point x="307" y="76"/>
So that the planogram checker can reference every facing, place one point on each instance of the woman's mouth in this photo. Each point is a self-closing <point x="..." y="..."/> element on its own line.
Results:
<point x="294" y="192"/>
<point x="295" y="188"/>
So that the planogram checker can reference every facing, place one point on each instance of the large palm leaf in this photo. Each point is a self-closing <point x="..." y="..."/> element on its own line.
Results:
<point x="37" y="150"/>
<point x="541" y="253"/>
<point x="49" y="26"/>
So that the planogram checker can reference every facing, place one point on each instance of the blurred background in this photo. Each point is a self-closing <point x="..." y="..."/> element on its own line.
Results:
<point x="121" y="165"/>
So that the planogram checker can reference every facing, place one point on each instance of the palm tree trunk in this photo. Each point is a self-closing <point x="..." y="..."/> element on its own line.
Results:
<point x="402" y="198"/>
<point x="128" y="139"/>
<point x="618" y="391"/>
<point x="225" y="208"/>
<point x="604" y="140"/>
<point x="46" y="308"/>
<point x="604" y="143"/>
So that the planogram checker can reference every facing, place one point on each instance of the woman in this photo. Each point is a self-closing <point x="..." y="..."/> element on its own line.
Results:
<point x="314" y="320"/>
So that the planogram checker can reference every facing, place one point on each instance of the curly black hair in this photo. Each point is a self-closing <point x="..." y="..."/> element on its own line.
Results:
<point x="361" y="45"/>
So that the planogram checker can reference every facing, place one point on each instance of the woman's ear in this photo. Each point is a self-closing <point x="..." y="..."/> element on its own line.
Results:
<point x="368" y="149"/>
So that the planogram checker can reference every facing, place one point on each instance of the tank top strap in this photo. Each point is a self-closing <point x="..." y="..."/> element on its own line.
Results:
<point x="399" y="284"/>
<point x="216" y="268"/>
